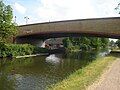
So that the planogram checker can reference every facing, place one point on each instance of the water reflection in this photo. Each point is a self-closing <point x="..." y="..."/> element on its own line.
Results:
<point x="6" y="82"/>
<point x="52" y="59"/>
<point x="37" y="73"/>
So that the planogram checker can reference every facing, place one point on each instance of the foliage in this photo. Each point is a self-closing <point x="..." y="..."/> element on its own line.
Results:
<point x="85" y="43"/>
<point x="112" y="43"/>
<point x="8" y="50"/>
<point x="67" y="42"/>
<point x="118" y="43"/>
<point x="12" y="50"/>
<point x="118" y="8"/>
<point x="105" y="42"/>
<point x="7" y="27"/>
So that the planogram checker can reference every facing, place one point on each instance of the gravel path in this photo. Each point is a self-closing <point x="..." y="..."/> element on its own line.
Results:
<point x="110" y="80"/>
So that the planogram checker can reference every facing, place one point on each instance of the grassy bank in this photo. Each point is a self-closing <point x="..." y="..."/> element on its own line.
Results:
<point x="85" y="76"/>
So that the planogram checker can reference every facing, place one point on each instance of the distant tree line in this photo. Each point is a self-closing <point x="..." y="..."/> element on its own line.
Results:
<point x="85" y="43"/>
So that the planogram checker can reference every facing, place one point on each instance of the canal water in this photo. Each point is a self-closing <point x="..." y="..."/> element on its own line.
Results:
<point x="37" y="73"/>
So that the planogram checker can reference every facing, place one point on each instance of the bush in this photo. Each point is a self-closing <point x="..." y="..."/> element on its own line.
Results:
<point x="12" y="50"/>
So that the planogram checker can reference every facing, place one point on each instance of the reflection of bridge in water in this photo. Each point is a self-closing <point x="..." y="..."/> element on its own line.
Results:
<point x="98" y="27"/>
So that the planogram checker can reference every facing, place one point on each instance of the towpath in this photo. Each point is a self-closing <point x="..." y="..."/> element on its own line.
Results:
<point x="110" y="79"/>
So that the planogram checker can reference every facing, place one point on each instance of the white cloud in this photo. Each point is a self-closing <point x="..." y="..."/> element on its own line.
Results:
<point x="55" y="10"/>
<point x="65" y="9"/>
<point x="106" y="8"/>
<point x="19" y="8"/>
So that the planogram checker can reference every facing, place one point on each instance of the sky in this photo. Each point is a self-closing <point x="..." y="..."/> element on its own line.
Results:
<point x="56" y="10"/>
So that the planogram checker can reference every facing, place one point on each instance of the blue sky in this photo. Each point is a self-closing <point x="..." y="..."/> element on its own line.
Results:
<point x="55" y="10"/>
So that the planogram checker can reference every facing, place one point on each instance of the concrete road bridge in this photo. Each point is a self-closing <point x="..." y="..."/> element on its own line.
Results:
<point x="97" y="27"/>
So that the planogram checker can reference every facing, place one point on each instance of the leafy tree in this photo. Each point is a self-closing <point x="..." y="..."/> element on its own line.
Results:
<point x="67" y="42"/>
<point x="104" y="42"/>
<point x="7" y="27"/>
<point x="86" y="43"/>
<point x="112" y="43"/>
<point x="118" y="43"/>
<point x="95" y="42"/>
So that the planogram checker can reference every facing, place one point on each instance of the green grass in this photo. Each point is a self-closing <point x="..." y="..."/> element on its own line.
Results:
<point x="82" y="78"/>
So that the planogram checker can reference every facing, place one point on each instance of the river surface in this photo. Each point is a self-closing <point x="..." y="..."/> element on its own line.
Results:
<point x="37" y="73"/>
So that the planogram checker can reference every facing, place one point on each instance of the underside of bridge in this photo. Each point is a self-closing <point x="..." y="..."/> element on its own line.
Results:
<point x="39" y="38"/>
<point x="47" y="35"/>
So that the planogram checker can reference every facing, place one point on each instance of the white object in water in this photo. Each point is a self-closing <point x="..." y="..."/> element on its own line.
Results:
<point x="52" y="59"/>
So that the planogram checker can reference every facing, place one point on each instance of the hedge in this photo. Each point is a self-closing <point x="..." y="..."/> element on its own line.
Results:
<point x="13" y="50"/>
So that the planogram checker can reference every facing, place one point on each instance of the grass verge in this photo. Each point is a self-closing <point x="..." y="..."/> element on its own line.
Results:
<point x="85" y="76"/>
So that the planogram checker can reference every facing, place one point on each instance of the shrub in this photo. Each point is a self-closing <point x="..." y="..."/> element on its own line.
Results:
<point x="8" y="50"/>
<point x="12" y="50"/>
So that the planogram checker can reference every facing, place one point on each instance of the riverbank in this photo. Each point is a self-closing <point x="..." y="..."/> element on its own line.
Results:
<point x="85" y="76"/>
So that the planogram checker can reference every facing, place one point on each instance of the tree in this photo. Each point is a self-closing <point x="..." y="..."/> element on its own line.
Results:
<point x="118" y="43"/>
<point x="67" y="42"/>
<point x="96" y="42"/>
<point x="84" y="43"/>
<point x="7" y="27"/>
<point x="112" y="43"/>
<point x="118" y="8"/>
<point x="104" y="42"/>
